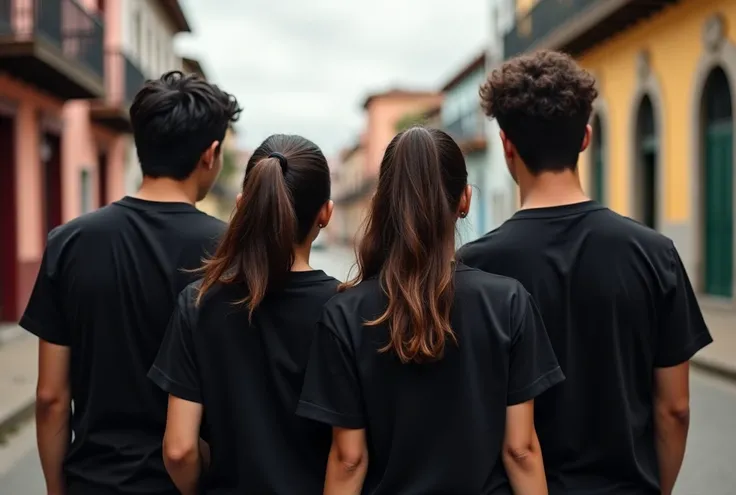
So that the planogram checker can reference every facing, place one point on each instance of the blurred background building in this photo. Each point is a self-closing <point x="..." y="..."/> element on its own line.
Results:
<point x="69" y="70"/>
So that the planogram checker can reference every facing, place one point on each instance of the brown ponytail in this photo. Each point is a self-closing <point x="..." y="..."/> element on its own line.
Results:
<point x="273" y="215"/>
<point x="409" y="241"/>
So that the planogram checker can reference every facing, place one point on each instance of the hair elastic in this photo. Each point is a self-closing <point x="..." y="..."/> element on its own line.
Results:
<point x="282" y="160"/>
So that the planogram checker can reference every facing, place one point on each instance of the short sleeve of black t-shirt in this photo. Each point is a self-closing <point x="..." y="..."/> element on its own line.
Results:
<point x="43" y="316"/>
<point x="533" y="366"/>
<point x="175" y="369"/>
<point x="331" y="392"/>
<point x="682" y="330"/>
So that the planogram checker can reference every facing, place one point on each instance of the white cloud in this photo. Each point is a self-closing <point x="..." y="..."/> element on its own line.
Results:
<point x="305" y="66"/>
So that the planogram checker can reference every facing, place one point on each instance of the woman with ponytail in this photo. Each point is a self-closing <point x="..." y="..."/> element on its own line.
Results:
<point x="426" y="369"/>
<point x="234" y="355"/>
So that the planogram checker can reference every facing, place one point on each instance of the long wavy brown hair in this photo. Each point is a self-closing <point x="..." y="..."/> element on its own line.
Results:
<point x="279" y="206"/>
<point x="409" y="241"/>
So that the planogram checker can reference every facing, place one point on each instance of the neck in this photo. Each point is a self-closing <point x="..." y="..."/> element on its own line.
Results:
<point x="301" y="259"/>
<point x="167" y="190"/>
<point x="551" y="189"/>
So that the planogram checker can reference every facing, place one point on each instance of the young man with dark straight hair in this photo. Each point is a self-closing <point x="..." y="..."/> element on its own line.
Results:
<point x="106" y="288"/>
<point x="615" y="299"/>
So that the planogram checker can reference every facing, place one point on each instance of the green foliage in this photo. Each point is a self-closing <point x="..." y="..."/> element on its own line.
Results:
<point x="410" y="120"/>
<point x="229" y="165"/>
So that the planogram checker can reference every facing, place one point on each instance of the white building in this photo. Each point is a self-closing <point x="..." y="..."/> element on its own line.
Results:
<point x="502" y="190"/>
<point x="148" y="28"/>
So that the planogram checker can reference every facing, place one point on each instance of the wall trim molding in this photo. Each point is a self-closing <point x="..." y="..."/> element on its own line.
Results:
<point x="647" y="85"/>
<point x="718" y="52"/>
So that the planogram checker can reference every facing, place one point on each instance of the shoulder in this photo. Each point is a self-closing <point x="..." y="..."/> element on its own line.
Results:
<point x="470" y="281"/>
<point x="476" y="252"/>
<point x="623" y="233"/>
<point x="209" y="225"/>
<point x="353" y="303"/>
<point x="97" y="223"/>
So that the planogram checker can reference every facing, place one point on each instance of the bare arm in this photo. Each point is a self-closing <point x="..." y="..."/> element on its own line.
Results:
<point x="522" y="455"/>
<point x="182" y="457"/>
<point x="671" y="421"/>
<point x="347" y="463"/>
<point x="53" y="407"/>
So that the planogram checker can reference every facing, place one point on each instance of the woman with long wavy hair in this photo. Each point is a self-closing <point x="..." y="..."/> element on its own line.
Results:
<point x="426" y="369"/>
<point x="234" y="356"/>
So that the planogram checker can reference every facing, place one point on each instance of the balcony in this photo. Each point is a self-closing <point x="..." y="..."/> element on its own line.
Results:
<point x="123" y="79"/>
<point x="574" y="26"/>
<point x="54" y="45"/>
<point x="468" y="131"/>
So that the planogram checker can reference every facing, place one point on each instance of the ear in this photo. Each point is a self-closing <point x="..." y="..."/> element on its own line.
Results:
<point x="238" y="199"/>
<point x="210" y="155"/>
<point x="464" y="206"/>
<point x="508" y="147"/>
<point x="325" y="214"/>
<point x="586" y="138"/>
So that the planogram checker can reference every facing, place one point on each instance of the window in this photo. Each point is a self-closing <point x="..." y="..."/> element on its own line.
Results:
<point x="717" y="191"/>
<point x="137" y="34"/>
<point x="647" y="158"/>
<point x="86" y="191"/>
<point x="597" y="162"/>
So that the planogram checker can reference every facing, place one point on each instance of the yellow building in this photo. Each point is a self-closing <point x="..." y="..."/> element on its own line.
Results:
<point x="662" y="149"/>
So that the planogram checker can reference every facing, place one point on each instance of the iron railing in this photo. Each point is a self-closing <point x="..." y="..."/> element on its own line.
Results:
<point x="123" y="78"/>
<point x="540" y="22"/>
<point x="78" y="34"/>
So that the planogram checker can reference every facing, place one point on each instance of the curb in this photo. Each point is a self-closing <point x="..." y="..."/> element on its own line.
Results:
<point x="21" y="414"/>
<point x="708" y="366"/>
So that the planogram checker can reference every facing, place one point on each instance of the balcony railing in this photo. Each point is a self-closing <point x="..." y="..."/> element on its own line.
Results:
<point x="466" y="127"/>
<point x="575" y="25"/>
<point x="67" y="26"/>
<point x="540" y="22"/>
<point x="123" y="78"/>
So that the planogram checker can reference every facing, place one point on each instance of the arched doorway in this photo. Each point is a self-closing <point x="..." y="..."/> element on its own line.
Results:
<point x="717" y="191"/>
<point x="597" y="161"/>
<point x="647" y="158"/>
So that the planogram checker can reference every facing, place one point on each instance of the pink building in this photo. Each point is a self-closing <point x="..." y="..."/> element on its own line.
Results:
<point x="66" y="81"/>
<point x="357" y="172"/>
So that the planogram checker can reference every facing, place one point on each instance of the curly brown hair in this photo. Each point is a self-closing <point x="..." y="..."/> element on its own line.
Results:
<point x="542" y="102"/>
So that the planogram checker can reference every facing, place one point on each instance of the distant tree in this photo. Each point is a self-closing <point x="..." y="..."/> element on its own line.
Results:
<point x="410" y="120"/>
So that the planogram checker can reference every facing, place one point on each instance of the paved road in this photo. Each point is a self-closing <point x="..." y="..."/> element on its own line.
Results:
<point x="708" y="469"/>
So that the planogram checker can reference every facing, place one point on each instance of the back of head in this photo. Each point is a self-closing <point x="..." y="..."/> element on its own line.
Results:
<point x="287" y="182"/>
<point x="177" y="118"/>
<point x="409" y="240"/>
<point x="542" y="102"/>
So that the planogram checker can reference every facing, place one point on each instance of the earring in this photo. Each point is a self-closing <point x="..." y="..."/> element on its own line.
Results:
<point x="320" y="226"/>
<point x="463" y="214"/>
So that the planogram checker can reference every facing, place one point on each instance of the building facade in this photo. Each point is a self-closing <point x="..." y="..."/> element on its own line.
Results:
<point x="502" y="192"/>
<point x="48" y="56"/>
<point x="462" y="118"/>
<point x="357" y="172"/>
<point x="68" y="71"/>
<point x="351" y="194"/>
<point x="662" y="149"/>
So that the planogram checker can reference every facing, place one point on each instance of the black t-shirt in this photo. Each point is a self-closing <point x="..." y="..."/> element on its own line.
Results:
<point x="433" y="428"/>
<point x="107" y="285"/>
<point x="617" y="303"/>
<point x="248" y="377"/>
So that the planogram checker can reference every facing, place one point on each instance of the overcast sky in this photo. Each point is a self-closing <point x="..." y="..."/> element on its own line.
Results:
<point x="305" y="66"/>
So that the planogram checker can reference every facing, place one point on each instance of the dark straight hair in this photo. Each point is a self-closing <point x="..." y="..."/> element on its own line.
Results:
<point x="287" y="181"/>
<point x="409" y="241"/>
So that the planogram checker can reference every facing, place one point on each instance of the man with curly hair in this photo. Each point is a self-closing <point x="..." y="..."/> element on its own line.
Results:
<point x="614" y="295"/>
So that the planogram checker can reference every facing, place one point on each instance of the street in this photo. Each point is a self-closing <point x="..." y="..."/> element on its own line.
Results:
<point x="708" y="467"/>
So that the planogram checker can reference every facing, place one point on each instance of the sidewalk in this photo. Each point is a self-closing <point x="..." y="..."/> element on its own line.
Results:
<point x="720" y="356"/>
<point x="18" y="373"/>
